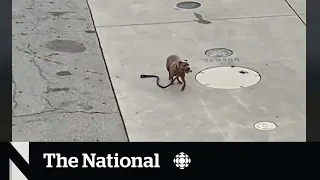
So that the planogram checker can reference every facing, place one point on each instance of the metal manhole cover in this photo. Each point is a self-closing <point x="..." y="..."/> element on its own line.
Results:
<point x="188" y="5"/>
<point x="265" y="126"/>
<point x="228" y="77"/>
<point x="219" y="52"/>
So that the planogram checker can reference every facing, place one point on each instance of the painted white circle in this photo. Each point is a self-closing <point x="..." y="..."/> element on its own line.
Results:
<point x="265" y="126"/>
<point x="228" y="77"/>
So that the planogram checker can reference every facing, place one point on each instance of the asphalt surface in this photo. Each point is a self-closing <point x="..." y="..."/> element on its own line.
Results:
<point x="61" y="88"/>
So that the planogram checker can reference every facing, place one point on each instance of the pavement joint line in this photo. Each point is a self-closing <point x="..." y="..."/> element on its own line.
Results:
<point x="61" y="112"/>
<point x="296" y="12"/>
<point x="108" y="72"/>
<point x="193" y="21"/>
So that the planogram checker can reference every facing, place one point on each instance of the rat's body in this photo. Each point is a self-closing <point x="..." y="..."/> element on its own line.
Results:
<point x="177" y="68"/>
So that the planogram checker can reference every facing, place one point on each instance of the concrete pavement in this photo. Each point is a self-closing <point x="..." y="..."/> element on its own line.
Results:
<point x="61" y="88"/>
<point x="266" y="36"/>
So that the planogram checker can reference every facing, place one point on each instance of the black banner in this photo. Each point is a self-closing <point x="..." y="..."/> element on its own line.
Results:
<point x="7" y="83"/>
<point x="160" y="160"/>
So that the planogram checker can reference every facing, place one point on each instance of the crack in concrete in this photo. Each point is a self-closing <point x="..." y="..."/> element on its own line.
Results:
<point x="14" y="96"/>
<point x="37" y="65"/>
<point x="63" y="112"/>
<point x="34" y="54"/>
<point x="49" y="103"/>
<point x="33" y="60"/>
<point x="192" y="21"/>
<point x="30" y="9"/>
<point x="55" y="62"/>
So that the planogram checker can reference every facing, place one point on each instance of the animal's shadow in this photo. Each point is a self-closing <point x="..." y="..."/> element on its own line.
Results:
<point x="200" y="19"/>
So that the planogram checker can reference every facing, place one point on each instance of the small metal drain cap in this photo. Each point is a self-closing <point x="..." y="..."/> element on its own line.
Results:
<point x="265" y="126"/>
<point x="188" y="5"/>
<point x="218" y="52"/>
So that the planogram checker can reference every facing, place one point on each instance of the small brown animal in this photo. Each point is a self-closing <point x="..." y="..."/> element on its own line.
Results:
<point x="177" y="68"/>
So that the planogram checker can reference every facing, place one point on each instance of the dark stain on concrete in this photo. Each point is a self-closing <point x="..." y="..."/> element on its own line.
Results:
<point x="26" y="52"/>
<point x="23" y="34"/>
<point x="66" y="46"/>
<point x="63" y="73"/>
<point x="58" y="89"/>
<point x="52" y="54"/>
<point x="93" y="72"/>
<point x="86" y="78"/>
<point x="57" y="14"/>
<point x="90" y="31"/>
<point x="243" y="72"/>
<point x="200" y="19"/>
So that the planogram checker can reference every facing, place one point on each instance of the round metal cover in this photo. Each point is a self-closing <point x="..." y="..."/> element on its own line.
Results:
<point x="219" y="52"/>
<point x="265" y="126"/>
<point x="227" y="77"/>
<point x="188" y="5"/>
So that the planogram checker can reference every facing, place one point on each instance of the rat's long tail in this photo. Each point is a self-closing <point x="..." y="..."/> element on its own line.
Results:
<point x="158" y="79"/>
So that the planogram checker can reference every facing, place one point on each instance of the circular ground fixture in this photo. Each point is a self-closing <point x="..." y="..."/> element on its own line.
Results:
<point x="228" y="77"/>
<point x="265" y="126"/>
<point x="219" y="52"/>
<point x="188" y="5"/>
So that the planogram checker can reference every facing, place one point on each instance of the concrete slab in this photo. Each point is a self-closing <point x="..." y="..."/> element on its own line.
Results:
<point x="298" y="5"/>
<point x="267" y="45"/>
<point x="69" y="126"/>
<point x="130" y="12"/>
<point x="58" y="70"/>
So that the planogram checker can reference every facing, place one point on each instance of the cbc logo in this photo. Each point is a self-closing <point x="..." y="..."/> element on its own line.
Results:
<point x="182" y="160"/>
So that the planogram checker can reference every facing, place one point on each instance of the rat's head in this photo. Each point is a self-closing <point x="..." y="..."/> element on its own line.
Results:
<point x="184" y="66"/>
